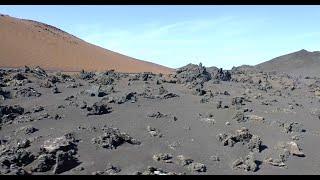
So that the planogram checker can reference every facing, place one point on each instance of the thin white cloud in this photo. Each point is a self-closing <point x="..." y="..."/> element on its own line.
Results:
<point x="303" y="36"/>
<point x="174" y="43"/>
<point x="188" y="26"/>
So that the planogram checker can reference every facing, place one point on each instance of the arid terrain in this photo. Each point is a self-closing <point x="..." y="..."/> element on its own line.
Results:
<point x="146" y="119"/>
<point x="196" y="121"/>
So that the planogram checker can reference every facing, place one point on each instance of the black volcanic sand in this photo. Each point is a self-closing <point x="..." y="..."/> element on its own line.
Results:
<point x="222" y="122"/>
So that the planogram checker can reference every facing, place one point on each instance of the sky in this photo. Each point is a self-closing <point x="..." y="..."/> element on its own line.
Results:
<point x="173" y="35"/>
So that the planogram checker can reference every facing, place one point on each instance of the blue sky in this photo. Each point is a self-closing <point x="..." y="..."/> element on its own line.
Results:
<point x="172" y="35"/>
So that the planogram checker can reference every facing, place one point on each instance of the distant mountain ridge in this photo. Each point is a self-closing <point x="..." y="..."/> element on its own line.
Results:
<point x="302" y="63"/>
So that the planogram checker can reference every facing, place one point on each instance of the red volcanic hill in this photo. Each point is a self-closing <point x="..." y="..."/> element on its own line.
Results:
<point x="26" y="42"/>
